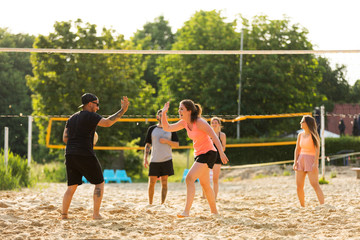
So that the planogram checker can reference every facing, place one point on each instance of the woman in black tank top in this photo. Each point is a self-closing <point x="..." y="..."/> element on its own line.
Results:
<point x="215" y="172"/>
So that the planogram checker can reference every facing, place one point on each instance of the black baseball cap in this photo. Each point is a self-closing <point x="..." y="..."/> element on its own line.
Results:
<point x="86" y="98"/>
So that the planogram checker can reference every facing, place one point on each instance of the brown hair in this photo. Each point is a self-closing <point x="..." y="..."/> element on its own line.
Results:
<point x="217" y="119"/>
<point x="311" y="123"/>
<point x="195" y="109"/>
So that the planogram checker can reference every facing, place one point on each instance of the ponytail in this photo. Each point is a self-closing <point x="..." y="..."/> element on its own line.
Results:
<point x="195" y="109"/>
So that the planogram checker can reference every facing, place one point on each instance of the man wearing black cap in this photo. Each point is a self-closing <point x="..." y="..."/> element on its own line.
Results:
<point x="80" y="156"/>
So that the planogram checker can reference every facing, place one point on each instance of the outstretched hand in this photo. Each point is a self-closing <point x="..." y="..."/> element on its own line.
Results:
<point x="224" y="158"/>
<point x="125" y="103"/>
<point x="166" y="107"/>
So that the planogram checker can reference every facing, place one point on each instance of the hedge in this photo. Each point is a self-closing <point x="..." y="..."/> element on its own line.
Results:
<point x="251" y="155"/>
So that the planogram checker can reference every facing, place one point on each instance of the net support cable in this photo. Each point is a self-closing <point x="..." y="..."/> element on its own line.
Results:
<point x="177" y="52"/>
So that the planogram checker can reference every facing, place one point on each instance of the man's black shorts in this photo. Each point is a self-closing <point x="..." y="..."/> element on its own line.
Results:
<point x="209" y="158"/>
<point x="161" y="168"/>
<point x="79" y="166"/>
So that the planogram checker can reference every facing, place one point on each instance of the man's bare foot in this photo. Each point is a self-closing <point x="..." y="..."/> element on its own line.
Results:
<point x="97" y="217"/>
<point x="183" y="215"/>
<point x="64" y="216"/>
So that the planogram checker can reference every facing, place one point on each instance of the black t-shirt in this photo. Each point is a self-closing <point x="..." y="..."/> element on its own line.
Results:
<point x="81" y="129"/>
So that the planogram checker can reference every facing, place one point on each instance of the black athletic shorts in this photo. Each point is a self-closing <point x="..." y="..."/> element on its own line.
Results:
<point x="218" y="159"/>
<point x="209" y="158"/>
<point x="78" y="166"/>
<point x="159" y="169"/>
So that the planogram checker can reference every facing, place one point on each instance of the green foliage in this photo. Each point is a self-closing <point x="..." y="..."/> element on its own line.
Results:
<point x="180" y="163"/>
<point x="133" y="159"/>
<point x="286" y="173"/>
<point x="333" y="174"/>
<point x="277" y="83"/>
<point x="355" y="92"/>
<point x="334" y="145"/>
<point x="15" y="95"/>
<point x="60" y="79"/>
<point x="323" y="181"/>
<point x="17" y="174"/>
<point x="199" y="76"/>
<point x="260" y="175"/>
<point x="251" y="155"/>
<point x="55" y="173"/>
<point x="333" y="83"/>
<point x="154" y="36"/>
<point x="49" y="172"/>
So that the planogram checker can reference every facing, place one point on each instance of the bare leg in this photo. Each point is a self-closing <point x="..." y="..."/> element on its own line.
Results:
<point x="216" y="174"/>
<point x="151" y="188"/>
<point x="67" y="200"/>
<point x="300" y="181"/>
<point x="98" y="195"/>
<point x="209" y="192"/>
<point x="201" y="171"/>
<point x="314" y="181"/>
<point x="164" y="188"/>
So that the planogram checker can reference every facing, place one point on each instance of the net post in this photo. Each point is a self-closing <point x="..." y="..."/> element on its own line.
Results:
<point x="322" y="137"/>
<point x="6" y="146"/>
<point x="30" y="120"/>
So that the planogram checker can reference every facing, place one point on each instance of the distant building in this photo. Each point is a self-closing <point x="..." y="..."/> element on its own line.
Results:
<point x="348" y="112"/>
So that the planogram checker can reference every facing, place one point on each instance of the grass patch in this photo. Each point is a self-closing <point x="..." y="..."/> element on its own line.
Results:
<point x="286" y="173"/>
<point x="323" y="181"/>
<point x="259" y="176"/>
<point x="180" y="161"/>
<point x="49" y="172"/>
<point x="228" y="179"/>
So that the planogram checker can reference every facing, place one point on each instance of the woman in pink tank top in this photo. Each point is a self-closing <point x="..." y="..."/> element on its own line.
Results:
<point x="204" y="138"/>
<point x="306" y="159"/>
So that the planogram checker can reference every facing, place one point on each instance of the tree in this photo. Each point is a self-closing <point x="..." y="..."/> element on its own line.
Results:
<point x="277" y="83"/>
<point x="14" y="94"/>
<point x="210" y="80"/>
<point x="154" y="36"/>
<point x="270" y="83"/>
<point x="333" y="83"/>
<point x="355" y="92"/>
<point x="60" y="79"/>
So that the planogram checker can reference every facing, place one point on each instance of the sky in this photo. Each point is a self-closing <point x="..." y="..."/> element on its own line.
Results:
<point x="332" y="25"/>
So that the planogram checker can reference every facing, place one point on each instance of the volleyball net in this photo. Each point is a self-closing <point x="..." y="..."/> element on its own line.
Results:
<point x="146" y="120"/>
<point x="55" y="145"/>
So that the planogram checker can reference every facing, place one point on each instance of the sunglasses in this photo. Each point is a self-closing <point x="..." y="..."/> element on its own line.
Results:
<point x="97" y="104"/>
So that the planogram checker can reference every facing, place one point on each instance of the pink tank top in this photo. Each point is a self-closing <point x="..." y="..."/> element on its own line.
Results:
<point x="307" y="145"/>
<point x="202" y="142"/>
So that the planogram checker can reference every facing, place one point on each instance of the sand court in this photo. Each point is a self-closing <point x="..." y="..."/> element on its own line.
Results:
<point x="264" y="208"/>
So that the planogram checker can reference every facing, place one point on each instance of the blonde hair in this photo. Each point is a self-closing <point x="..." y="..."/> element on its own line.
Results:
<point x="217" y="119"/>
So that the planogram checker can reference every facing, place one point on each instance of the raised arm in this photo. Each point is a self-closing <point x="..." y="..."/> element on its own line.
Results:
<point x="165" y="124"/>
<point x="109" y="121"/>
<point x="204" y="126"/>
